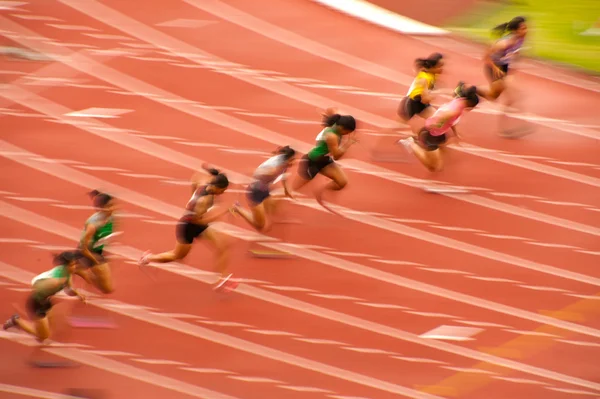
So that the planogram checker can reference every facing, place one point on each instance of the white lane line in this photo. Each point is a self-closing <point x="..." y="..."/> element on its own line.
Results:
<point x="188" y="161"/>
<point x="80" y="178"/>
<point x="16" y="274"/>
<point x="292" y="39"/>
<point x="116" y="367"/>
<point x="148" y="34"/>
<point x="102" y="72"/>
<point x="232" y="342"/>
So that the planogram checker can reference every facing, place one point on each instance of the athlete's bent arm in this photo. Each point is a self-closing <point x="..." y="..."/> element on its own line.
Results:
<point x="335" y="150"/>
<point x="85" y="250"/>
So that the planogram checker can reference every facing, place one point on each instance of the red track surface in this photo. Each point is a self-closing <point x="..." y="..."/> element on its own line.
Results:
<point x="284" y="323"/>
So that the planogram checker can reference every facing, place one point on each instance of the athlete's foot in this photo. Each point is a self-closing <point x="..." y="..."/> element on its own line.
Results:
<point x="144" y="259"/>
<point x="10" y="323"/>
<point x="226" y="284"/>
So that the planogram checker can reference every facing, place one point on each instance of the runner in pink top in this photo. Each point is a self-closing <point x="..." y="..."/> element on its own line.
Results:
<point x="446" y="117"/>
<point x="427" y="145"/>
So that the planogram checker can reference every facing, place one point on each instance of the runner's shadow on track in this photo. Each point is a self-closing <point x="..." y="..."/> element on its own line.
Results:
<point x="84" y="393"/>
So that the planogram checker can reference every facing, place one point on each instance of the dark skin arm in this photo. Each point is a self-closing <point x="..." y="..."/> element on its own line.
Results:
<point x="337" y="151"/>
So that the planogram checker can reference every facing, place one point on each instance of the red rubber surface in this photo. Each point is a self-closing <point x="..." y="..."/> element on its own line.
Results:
<point x="549" y="348"/>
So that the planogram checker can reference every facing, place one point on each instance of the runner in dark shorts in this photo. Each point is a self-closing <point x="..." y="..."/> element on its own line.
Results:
<point x="44" y="287"/>
<point x="320" y="159"/>
<point x="262" y="203"/>
<point x="195" y="223"/>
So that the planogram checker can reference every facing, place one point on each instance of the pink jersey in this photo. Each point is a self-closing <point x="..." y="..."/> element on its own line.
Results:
<point x="455" y="108"/>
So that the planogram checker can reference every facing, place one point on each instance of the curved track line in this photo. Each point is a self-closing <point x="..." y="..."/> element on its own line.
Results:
<point x="119" y="79"/>
<point x="291" y="39"/>
<point x="16" y="274"/>
<point x="89" y="182"/>
<point x="114" y="366"/>
<point x="140" y="144"/>
<point x="145" y="33"/>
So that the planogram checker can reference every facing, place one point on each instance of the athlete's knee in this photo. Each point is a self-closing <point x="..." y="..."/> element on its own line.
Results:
<point x="107" y="288"/>
<point x="343" y="182"/>
<point x="42" y="335"/>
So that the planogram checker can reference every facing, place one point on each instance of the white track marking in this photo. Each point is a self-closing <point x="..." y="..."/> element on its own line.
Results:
<point x="122" y="369"/>
<point x="90" y="182"/>
<point x="452" y="333"/>
<point x="234" y="342"/>
<point x="16" y="274"/>
<point x="160" y="361"/>
<point x="292" y="39"/>
<point x="135" y="28"/>
<point x="206" y="370"/>
<point x="258" y="132"/>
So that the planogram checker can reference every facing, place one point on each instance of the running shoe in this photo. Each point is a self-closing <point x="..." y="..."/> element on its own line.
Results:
<point x="10" y="323"/>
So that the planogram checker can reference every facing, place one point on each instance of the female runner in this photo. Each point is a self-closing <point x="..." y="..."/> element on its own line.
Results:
<point x="498" y="59"/>
<point x="320" y="159"/>
<point x="428" y="145"/>
<point x="196" y="223"/>
<point x="262" y="203"/>
<point x="97" y="228"/>
<point x="418" y="98"/>
<point x="44" y="287"/>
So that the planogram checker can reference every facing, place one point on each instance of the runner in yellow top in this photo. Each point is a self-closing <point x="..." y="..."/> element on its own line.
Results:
<point x="418" y="98"/>
<point x="320" y="159"/>
<point x="44" y="287"/>
<point x="98" y="227"/>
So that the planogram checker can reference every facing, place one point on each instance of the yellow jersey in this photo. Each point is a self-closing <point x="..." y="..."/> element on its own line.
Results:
<point x="416" y="89"/>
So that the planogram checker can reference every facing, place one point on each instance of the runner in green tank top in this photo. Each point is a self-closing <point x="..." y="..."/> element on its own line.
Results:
<point x="98" y="227"/>
<point x="320" y="159"/>
<point x="44" y="287"/>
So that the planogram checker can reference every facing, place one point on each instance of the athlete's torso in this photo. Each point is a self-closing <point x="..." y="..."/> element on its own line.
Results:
<point x="59" y="272"/>
<point x="321" y="149"/>
<point x="191" y="211"/>
<point x="506" y="55"/>
<point x="271" y="169"/>
<point x="433" y="124"/>
<point x="104" y="228"/>
<point x="416" y="89"/>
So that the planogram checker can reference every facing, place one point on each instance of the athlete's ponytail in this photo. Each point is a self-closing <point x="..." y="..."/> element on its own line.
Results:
<point x="219" y="180"/>
<point x="330" y="120"/>
<point x="507" y="27"/>
<point x="429" y="62"/>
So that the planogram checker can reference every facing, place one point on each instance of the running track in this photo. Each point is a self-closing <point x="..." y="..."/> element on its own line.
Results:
<point x="224" y="82"/>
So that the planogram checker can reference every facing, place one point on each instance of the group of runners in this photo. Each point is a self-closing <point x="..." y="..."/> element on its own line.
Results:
<point x="88" y="260"/>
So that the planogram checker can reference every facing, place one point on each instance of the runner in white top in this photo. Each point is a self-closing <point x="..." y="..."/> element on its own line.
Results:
<point x="44" y="287"/>
<point x="262" y="203"/>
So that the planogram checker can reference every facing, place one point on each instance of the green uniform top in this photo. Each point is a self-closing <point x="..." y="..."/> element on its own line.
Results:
<point x="321" y="149"/>
<point x="57" y="272"/>
<point x="103" y="230"/>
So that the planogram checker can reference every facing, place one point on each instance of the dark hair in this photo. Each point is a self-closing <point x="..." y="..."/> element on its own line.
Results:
<point x="66" y="257"/>
<point x="430" y="61"/>
<point x="471" y="96"/>
<point x="287" y="152"/>
<point x="509" y="26"/>
<point x="330" y="120"/>
<point x="99" y="199"/>
<point x="219" y="180"/>
<point x="345" y="121"/>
